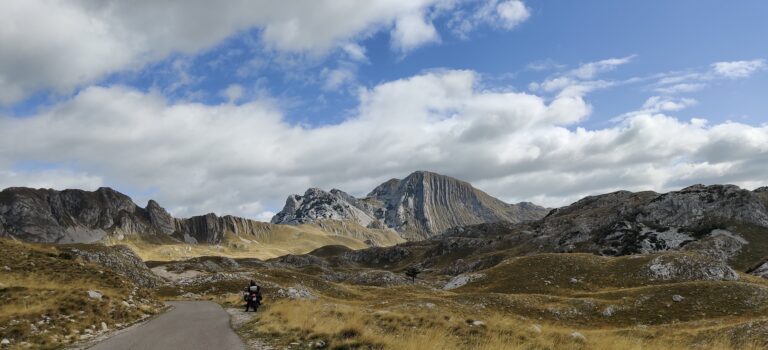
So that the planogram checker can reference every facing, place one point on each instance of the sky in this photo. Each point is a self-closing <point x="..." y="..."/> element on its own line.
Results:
<point x="231" y="106"/>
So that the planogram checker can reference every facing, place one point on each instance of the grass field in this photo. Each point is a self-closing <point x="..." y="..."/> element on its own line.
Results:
<point x="616" y="311"/>
<point x="45" y="302"/>
<point x="272" y="242"/>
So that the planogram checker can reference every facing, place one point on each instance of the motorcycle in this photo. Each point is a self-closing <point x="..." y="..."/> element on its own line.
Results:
<point x="252" y="298"/>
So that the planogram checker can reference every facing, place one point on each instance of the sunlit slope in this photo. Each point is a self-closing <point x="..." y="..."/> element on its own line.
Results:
<point x="271" y="241"/>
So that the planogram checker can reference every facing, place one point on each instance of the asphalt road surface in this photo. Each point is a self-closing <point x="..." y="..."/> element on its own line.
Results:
<point x="190" y="325"/>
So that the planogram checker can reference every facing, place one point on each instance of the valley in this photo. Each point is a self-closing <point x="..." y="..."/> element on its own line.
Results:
<point x="678" y="270"/>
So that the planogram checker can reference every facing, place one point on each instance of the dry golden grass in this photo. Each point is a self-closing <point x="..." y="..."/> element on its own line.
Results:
<point x="272" y="242"/>
<point x="716" y="315"/>
<point x="344" y="325"/>
<point x="44" y="302"/>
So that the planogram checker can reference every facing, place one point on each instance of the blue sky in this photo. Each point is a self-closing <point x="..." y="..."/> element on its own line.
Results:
<point x="311" y="71"/>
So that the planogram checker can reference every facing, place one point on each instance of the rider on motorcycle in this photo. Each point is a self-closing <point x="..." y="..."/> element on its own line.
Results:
<point x="252" y="297"/>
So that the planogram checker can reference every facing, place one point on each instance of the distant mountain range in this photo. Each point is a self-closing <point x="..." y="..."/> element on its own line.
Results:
<point x="724" y="221"/>
<point x="420" y="206"/>
<point x="708" y="228"/>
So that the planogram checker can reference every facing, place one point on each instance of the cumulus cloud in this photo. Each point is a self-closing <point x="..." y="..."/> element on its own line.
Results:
<point x="512" y="13"/>
<point x="412" y="31"/>
<point x="245" y="159"/>
<point x="504" y="14"/>
<point x="61" y="45"/>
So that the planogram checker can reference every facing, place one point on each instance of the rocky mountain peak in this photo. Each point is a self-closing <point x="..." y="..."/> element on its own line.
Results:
<point x="419" y="206"/>
<point x="160" y="218"/>
<point x="316" y="205"/>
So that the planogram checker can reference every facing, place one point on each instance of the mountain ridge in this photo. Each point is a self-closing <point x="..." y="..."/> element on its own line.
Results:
<point x="78" y="216"/>
<point x="419" y="206"/>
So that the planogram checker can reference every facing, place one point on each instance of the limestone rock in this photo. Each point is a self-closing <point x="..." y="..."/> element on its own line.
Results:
<point x="462" y="280"/>
<point x="119" y="259"/>
<point x="95" y="294"/>
<point x="419" y="206"/>
<point x="690" y="267"/>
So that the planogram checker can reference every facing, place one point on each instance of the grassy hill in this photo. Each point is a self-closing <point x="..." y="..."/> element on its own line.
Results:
<point x="272" y="242"/>
<point x="50" y="297"/>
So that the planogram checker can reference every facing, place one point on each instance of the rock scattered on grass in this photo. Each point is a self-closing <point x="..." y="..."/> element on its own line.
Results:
<point x="95" y="294"/>
<point x="535" y="328"/>
<point x="295" y="293"/>
<point x="677" y="298"/>
<point x="578" y="336"/>
<point x="609" y="311"/>
<point x="5" y="342"/>
<point x="462" y="280"/>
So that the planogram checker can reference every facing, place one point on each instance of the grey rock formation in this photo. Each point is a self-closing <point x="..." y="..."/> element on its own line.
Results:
<point x="119" y="259"/>
<point x="211" y="229"/>
<point x="76" y="216"/>
<point x="317" y="204"/>
<point x="419" y="206"/>
<point x="624" y="222"/>
<point x="761" y="271"/>
<point x="691" y="205"/>
<point x="69" y="216"/>
<point x="689" y="267"/>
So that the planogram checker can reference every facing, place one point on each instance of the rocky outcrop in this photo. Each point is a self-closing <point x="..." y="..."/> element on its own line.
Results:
<point x="76" y="216"/>
<point x="692" y="205"/>
<point x="210" y="229"/>
<point x="419" y="206"/>
<point x="316" y="205"/>
<point x="689" y="267"/>
<point x="623" y="222"/>
<point x="120" y="259"/>
<point x="70" y="216"/>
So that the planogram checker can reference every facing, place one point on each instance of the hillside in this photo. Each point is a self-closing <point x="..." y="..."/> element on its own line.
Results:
<point x="108" y="216"/>
<point x="51" y="296"/>
<point x="420" y="206"/>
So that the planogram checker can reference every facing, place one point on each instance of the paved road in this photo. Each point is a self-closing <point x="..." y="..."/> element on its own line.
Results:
<point x="191" y="325"/>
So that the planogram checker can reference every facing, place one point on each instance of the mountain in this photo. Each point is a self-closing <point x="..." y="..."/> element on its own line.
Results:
<point x="420" y="206"/>
<point x="77" y="216"/>
<point x="719" y="224"/>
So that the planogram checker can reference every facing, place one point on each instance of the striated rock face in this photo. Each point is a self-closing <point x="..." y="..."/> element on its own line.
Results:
<point x="419" y="206"/>
<point x="211" y="229"/>
<point x="76" y="216"/>
<point x="69" y="216"/>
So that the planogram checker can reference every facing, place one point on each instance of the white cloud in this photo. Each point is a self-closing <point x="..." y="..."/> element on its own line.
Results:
<point x="355" y="51"/>
<point x="504" y="14"/>
<point x="412" y="31"/>
<point x="336" y="78"/>
<point x="683" y="82"/>
<point x="581" y="80"/>
<point x="680" y="88"/>
<point x="245" y="159"/>
<point x="656" y="104"/>
<point x="512" y="12"/>
<point x="738" y="69"/>
<point x="61" y="45"/>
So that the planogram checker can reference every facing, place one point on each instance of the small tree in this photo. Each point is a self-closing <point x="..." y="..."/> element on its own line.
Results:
<point x="412" y="272"/>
